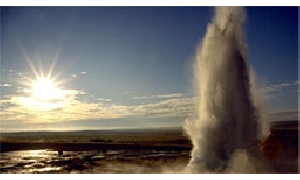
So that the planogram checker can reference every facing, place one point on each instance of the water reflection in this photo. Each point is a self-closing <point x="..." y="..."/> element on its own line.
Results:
<point x="110" y="161"/>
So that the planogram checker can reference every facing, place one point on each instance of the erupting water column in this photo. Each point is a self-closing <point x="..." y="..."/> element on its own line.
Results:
<point x="228" y="115"/>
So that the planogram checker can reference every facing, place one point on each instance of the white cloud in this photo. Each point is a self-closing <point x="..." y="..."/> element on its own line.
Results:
<point x="81" y="92"/>
<point x="5" y="85"/>
<point x="83" y="72"/>
<point x="177" y="95"/>
<point x="101" y="99"/>
<point x="6" y="96"/>
<point x="72" y="108"/>
<point x="163" y="96"/>
<point x="278" y="87"/>
<point x="178" y="107"/>
<point x="141" y="97"/>
<point x="74" y="75"/>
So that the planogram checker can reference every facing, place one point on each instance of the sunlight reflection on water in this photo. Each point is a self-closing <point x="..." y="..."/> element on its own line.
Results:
<point x="122" y="161"/>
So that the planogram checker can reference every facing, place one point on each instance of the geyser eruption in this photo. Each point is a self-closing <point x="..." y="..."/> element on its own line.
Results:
<point x="229" y="116"/>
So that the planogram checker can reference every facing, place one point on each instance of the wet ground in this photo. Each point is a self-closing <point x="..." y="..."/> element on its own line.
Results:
<point x="111" y="161"/>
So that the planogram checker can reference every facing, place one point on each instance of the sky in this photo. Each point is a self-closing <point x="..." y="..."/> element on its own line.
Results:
<point x="69" y="68"/>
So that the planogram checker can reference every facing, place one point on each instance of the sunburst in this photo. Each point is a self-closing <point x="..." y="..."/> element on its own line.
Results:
<point x="45" y="90"/>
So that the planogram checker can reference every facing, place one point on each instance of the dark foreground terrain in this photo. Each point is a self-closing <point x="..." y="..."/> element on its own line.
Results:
<point x="95" y="151"/>
<point x="138" y="139"/>
<point x="129" y="151"/>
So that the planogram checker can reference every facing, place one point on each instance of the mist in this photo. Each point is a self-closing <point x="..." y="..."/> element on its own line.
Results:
<point x="230" y="112"/>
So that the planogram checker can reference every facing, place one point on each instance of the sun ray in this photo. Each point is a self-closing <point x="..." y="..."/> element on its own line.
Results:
<point x="27" y="58"/>
<point x="32" y="67"/>
<point x="53" y="64"/>
<point x="44" y="91"/>
<point x="55" y="57"/>
<point x="41" y="69"/>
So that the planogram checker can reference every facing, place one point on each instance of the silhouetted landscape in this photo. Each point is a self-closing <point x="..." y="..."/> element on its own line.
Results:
<point x="88" y="151"/>
<point x="156" y="150"/>
<point x="163" y="138"/>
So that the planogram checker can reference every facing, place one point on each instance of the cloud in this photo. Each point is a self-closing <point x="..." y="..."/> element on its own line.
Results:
<point x="175" y="95"/>
<point x="6" y="96"/>
<point x="177" y="107"/>
<point x="5" y="85"/>
<point x="72" y="105"/>
<point x="169" y="96"/>
<point x="73" y="108"/>
<point x="141" y="97"/>
<point x="70" y="108"/>
<point x="278" y="87"/>
<point x="107" y="100"/>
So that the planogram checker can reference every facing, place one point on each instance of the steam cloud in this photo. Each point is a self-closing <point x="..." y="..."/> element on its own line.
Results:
<point x="230" y="114"/>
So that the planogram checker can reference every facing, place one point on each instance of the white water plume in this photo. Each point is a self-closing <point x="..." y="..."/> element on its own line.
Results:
<point x="229" y="111"/>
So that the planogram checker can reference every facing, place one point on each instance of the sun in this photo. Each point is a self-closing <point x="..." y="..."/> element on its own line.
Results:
<point x="44" y="93"/>
<point x="45" y="89"/>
